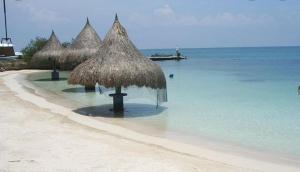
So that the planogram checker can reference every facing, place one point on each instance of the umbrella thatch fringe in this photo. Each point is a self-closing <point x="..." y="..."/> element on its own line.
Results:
<point x="45" y="55"/>
<point x="73" y="57"/>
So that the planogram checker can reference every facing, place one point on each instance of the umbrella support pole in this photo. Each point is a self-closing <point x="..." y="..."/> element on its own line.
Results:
<point x="118" y="100"/>
<point x="54" y="73"/>
<point x="89" y="88"/>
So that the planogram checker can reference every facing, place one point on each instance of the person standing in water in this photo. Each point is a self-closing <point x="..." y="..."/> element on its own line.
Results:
<point x="177" y="52"/>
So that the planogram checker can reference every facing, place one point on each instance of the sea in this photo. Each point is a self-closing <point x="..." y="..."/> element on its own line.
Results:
<point x="247" y="97"/>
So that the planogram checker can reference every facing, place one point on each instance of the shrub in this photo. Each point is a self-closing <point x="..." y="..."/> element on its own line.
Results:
<point x="34" y="46"/>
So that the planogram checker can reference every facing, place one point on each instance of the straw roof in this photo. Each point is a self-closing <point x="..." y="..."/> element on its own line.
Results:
<point x="118" y="63"/>
<point x="84" y="46"/>
<point x="52" y="49"/>
<point x="87" y="38"/>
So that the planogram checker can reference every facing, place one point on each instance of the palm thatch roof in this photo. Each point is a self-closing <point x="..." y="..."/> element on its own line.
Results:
<point x="51" y="50"/>
<point x="118" y="63"/>
<point x="84" y="46"/>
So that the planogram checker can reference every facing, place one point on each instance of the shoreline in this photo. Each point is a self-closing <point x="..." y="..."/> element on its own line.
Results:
<point x="11" y="81"/>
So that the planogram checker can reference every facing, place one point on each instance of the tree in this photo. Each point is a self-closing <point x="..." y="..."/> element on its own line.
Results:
<point x="34" y="46"/>
<point x="66" y="44"/>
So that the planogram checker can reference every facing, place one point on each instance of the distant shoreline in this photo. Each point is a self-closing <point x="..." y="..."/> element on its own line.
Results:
<point x="173" y="48"/>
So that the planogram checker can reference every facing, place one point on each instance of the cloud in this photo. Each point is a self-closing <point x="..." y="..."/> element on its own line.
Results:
<point x="41" y="15"/>
<point x="227" y="18"/>
<point x="166" y="11"/>
<point x="166" y="15"/>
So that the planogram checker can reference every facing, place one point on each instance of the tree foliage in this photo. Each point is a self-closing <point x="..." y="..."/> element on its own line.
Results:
<point x="37" y="44"/>
<point x="34" y="46"/>
<point x="66" y="44"/>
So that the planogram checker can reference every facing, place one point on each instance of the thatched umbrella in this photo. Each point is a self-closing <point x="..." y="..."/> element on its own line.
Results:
<point x="118" y="63"/>
<point x="49" y="54"/>
<point x="84" y="46"/>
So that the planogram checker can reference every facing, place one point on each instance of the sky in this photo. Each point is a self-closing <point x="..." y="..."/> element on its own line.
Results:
<point x="160" y="23"/>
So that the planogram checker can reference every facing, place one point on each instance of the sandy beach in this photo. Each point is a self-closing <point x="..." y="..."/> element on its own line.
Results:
<point x="41" y="136"/>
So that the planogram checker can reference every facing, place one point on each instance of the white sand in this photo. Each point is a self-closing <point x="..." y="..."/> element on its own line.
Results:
<point x="37" y="135"/>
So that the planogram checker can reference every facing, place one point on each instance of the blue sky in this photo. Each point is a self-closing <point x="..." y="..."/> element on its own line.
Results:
<point x="161" y="23"/>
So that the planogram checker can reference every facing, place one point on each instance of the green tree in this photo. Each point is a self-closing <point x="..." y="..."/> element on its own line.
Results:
<point x="66" y="44"/>
<point x="34" y="46"/>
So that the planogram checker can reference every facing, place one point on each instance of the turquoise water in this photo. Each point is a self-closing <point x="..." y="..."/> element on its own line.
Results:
<point x="245" y="96"/>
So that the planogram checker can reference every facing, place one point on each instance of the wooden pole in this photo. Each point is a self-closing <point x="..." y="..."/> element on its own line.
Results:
<point x="118" y="100"/>
<point x="55" y="73"/>
<point x="5" y="21"/>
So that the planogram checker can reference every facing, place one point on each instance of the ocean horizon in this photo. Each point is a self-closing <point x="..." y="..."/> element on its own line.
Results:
<point x="220" y="47"/>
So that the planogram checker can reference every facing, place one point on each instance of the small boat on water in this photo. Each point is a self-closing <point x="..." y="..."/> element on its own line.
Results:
<point x="162" y="57"/>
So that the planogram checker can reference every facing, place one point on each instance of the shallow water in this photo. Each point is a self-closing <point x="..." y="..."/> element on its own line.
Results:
<point x="245" y="96"/>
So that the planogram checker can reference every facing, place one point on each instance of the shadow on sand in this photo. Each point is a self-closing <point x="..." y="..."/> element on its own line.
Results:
<point x="131" y="111"/>
<point x="49" y="79"/>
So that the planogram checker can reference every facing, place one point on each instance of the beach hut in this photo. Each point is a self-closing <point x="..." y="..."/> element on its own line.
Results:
<point x="118" y="64"/>
<point x="84" y="46"/>
<point x="49" y="56"/>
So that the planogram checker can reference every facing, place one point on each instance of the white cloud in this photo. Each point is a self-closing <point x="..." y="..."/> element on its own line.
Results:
<point x="166" y="15"/>
<point x="235" y="19"/>
<point x="41" y="15"/>
<point x="165" y="11"/>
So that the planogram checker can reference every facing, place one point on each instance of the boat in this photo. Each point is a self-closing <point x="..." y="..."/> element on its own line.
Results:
<point x="162" y="57"/>
<point x="6" y="46"/>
